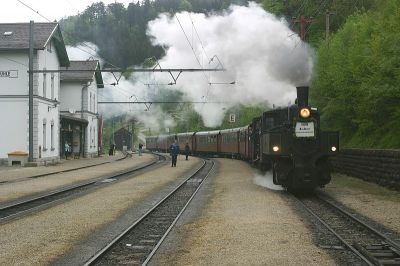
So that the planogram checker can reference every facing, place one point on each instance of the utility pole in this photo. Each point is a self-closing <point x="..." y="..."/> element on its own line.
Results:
<point x="30" y="157"/>
<point x="303" y="23"/>
<point x="327" y="16"/>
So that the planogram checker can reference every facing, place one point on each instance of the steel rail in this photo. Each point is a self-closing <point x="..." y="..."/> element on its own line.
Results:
<point x="35" y="202"/>
<point x="176" y="219"/>
<point x="354" y="218"/>
<point x="59" y="172"/>
<point x="356" y="248"/>
<point x="102" y="252"/>
<point x="348" y="245"/>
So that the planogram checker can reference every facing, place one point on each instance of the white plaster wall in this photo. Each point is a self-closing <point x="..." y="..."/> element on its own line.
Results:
<point x="45" y="109"/>
<point x="14" y="61"/>
<point x="90" y="104"/>
<point x="14" y="133"/>
<point x="14" y="111"/>
<point x="71" y="93"/>
<point x="91" y="138"/>
<point x="49" y="114"/>
<point x="49" y="61"/>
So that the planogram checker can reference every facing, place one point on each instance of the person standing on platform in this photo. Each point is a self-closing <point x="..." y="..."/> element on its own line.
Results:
<point x="140" y="149"/>
<point x="66" y="150"/>
<point x="187" y="150"/>
<point x="174" y="153"/>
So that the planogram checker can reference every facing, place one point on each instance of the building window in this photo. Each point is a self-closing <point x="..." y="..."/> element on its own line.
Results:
<point x="44" y="82"/>
<point x="52" y="135"/>
<point x="52" y="86"/>
<point x="93" y="136"/>
<point x="90" y="102"/>
<point x="94" y="103"/>
<point x="44" y="136"/>
<point x="49" y="47"/>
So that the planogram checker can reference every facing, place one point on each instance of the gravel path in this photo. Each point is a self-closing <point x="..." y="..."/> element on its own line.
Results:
<point x="373" y="201"/>
<point x="242" y="224"/>
<point x="12" y="191"/>
<point x="41" y="238"/>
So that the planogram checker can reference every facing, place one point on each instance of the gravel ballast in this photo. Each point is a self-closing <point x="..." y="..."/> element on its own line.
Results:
<point x="12" y="191"/>
<point x="41" y="238"/>
<point x="373" y="201"/>
<point x="241" y="224"/>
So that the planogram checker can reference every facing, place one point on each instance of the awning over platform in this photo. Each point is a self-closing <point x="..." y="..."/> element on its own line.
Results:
<point x="74" y="119"/>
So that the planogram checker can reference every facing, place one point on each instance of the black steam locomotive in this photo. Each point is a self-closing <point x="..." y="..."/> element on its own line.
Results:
<point x="287" y="141"/>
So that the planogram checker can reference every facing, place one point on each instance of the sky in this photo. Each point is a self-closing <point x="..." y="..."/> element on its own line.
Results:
<point x="14" y="11"/>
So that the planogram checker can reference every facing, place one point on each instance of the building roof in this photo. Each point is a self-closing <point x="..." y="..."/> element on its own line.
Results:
<point x="83" y="75"/>
<point x="15" y="36"/>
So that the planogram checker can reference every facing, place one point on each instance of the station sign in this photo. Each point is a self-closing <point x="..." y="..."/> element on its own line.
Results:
<point x="8" y="73"/>
<point x="232" y="118"/>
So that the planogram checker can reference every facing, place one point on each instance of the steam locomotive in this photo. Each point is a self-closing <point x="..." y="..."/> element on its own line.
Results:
<point x="287" y="141"/>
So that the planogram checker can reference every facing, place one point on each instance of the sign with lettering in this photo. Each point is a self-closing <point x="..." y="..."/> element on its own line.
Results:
<point x="232" y="118"/>
<point x="8" y="73"/>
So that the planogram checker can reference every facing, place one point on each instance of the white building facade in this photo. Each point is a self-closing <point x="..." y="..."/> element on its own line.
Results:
<point x="49" y="54"/>
<point x="79" y="111"/>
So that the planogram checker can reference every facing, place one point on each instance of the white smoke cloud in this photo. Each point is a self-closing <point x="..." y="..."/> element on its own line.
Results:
<point x="83" y="51"/>
<point x="126" y="90"/>
<point x="264" y="58"/>
<point x="266" y="181"/>
<point x="261" y="54"/>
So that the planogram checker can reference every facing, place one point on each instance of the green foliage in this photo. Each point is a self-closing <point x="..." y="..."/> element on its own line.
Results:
<point x="357" y="77"/>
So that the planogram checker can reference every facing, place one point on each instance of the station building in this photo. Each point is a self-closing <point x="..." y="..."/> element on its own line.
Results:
<point x="78" y="110"/>
<point x="49" y="53"/>
<point x="64" y="102"/>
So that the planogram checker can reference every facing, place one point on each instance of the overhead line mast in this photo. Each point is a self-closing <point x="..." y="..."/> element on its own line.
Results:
<point x="303" y="21"/>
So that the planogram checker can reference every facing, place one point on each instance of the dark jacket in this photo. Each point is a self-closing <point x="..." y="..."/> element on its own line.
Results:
<point x="174" y="149"/>
<point x="187" y="148"/>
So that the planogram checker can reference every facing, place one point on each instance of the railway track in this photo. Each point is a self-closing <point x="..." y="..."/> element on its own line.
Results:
<point x="59" y="172"/>
<point x="370" y="245"/>
<point x="14" y="209"/>
<point x="138" y="243"/>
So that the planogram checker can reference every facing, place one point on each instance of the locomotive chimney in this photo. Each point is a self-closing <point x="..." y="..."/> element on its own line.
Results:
<point x="302" y="96"/>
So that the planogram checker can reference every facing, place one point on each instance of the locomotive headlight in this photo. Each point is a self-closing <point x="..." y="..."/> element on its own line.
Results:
<point x="333" y="148"/>
<point x="275" y="148"/>
<point x="305" y="112"/>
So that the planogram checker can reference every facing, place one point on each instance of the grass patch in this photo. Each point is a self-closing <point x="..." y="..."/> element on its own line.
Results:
<point x="365" y="187"/>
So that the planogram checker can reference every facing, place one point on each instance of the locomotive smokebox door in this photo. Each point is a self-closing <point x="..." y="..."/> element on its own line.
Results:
<point x="302" y="96"/>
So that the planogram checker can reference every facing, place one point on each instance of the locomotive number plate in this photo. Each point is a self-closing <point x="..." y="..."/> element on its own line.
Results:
<point x="305" y="129"/>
